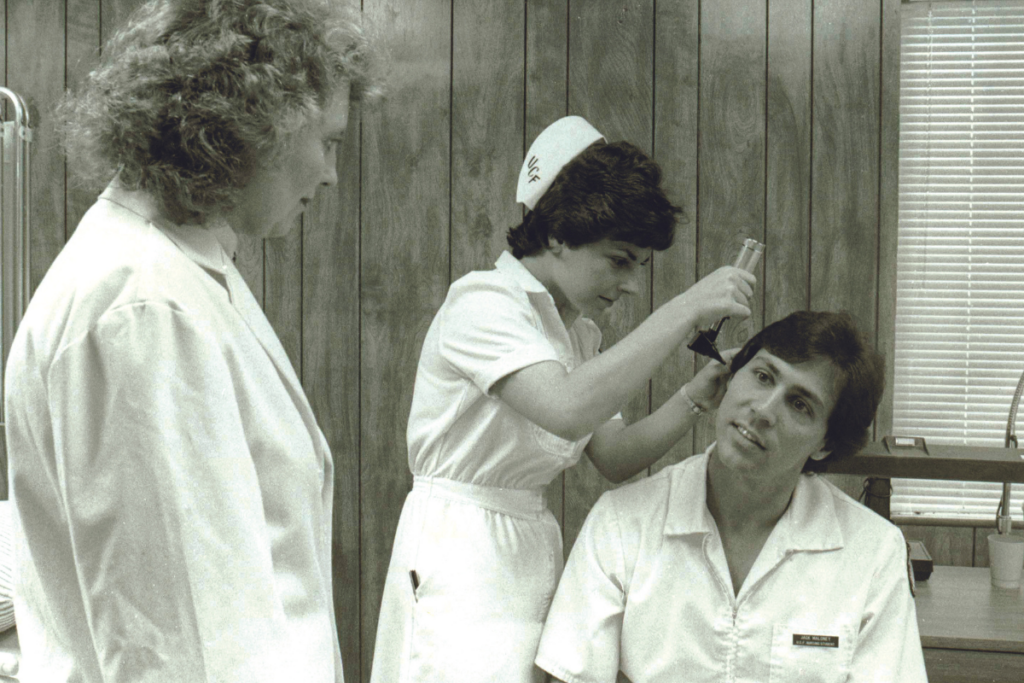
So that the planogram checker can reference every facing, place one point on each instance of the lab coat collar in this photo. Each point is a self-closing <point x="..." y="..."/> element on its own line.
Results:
<point x="808" y="524"/>
<point x="512" y="267"/>
<point x="211" y="245"/>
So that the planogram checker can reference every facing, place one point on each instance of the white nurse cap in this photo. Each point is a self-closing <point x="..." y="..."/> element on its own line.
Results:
<point x="556" y="146"/>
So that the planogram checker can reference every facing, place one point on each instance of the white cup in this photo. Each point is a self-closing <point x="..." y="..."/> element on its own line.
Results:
<point x="1006" y="559"/>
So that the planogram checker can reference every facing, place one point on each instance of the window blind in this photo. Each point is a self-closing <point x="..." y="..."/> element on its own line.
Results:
<point x="960" y="261"/>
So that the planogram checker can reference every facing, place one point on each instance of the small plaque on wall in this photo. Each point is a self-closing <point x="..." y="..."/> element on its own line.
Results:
<point x="903" y="444"/>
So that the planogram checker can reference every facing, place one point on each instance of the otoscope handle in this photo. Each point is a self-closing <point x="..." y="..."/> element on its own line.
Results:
<point x="750" y="254"/>
<point x="704" y="343"/>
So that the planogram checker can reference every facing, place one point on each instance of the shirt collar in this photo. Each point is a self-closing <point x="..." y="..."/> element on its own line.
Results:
<point x="211" y="245"/>
<point x="687" y="499"/>
<point x="513" y="267"/>
<point x="809" y="522"/>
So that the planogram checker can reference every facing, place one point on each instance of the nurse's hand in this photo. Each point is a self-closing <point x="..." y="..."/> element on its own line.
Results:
<point x="724" y="293"/>
<point x="707" y="388"/>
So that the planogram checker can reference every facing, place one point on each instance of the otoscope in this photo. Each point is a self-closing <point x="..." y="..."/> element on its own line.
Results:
<point x="704" y="343"/>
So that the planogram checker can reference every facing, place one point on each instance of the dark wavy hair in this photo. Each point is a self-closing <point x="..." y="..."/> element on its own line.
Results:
<point x="860" y="381"/>
<point x="608" y="191"/>
<point x="192" y="97"/>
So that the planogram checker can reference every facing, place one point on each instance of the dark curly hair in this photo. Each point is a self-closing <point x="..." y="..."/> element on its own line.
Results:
<point x="608" y="191"/>
<point x="805" y="335"/>
<point x="192" y="97"/>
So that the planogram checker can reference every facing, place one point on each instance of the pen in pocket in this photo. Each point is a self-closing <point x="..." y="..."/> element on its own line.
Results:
<point x="415" y="580"/>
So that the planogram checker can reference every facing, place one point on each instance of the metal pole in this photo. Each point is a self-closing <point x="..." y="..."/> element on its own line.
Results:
<point x="1004" y="523"/>
<point x="17" y="141"/>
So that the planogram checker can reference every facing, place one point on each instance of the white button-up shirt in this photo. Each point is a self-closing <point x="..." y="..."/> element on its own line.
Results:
<point x="647" y="591"/>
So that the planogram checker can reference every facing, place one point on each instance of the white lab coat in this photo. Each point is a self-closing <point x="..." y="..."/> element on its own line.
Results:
<point x="647" y="591"/>
<point x="172" y="488"/>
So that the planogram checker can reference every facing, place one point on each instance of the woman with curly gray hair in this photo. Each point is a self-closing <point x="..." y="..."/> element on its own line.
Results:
<point x="173" y="491"/>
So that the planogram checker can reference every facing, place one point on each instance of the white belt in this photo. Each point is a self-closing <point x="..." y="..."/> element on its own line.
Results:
<point x="526" y="503"/>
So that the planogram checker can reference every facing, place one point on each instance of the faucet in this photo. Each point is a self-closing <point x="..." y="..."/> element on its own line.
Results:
<point x="1004" y="523"/>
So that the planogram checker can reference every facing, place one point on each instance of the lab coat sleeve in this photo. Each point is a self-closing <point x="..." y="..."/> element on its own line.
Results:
<point x="488" y="332"/>
<point x="889" y="645"/>
<point x="581" y="637"/>
<point x="162" y="502"/>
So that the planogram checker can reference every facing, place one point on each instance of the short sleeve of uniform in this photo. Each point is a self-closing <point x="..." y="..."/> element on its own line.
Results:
<point x="489" y="329"/>
<point x="580" y="641"/>
<point x="889" y="648"/>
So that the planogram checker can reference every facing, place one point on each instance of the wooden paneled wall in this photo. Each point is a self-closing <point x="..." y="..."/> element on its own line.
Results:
<point x="775" y="119"/>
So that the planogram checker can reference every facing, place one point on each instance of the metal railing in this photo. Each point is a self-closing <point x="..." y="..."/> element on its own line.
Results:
<point x="15" y="184"/>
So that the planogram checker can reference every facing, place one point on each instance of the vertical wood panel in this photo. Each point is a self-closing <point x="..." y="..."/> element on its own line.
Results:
<point x="83" y="47"/>
<point x="845" y="192"/>
<point x="888" y="205"/>
<point x="282" y="290"/>
<point x="547" y="99"/>
<point x="611" y="59"/>
<point x="732" y="151"/>
<point x="3" y="51"/>
<point x="404" y="263"/>
<point x="948" y="546"/>
<point x="844" y="195"/>
<point x="330" y="370"/>
<point x="676" y="59"/>
<point x="487" y="112"/>
<point x="788" y="229"/>
<point x="249" y="261"/>
<point x="38" y="76"/>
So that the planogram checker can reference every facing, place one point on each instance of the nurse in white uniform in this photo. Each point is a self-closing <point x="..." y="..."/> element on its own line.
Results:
<point x="511" y="390"/>
<point x="173" y="491"/>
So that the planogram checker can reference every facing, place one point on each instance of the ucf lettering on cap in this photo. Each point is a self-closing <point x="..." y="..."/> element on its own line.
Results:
<point x="556" y="146"/>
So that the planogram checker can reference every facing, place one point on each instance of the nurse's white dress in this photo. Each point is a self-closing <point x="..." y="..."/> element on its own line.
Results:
<point x="477" y="554"/>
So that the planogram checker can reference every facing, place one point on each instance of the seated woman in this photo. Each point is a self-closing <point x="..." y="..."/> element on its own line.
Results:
<point x="510" y="391"/>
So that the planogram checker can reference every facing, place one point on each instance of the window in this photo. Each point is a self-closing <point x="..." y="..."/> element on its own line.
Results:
<point x="960" y="282"/>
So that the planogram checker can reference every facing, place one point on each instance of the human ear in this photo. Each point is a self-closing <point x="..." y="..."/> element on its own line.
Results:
<point x="555" y="245"/>
<point x="820" y="454"/>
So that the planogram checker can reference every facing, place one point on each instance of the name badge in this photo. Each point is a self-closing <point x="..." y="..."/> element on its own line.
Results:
<point x="815" y="641"/>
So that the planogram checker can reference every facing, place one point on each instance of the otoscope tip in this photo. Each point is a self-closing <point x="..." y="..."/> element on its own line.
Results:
<point x="704" y="344"/>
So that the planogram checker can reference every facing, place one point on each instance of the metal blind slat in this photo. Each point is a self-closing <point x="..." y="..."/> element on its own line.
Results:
<point x="960" y="260"/>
